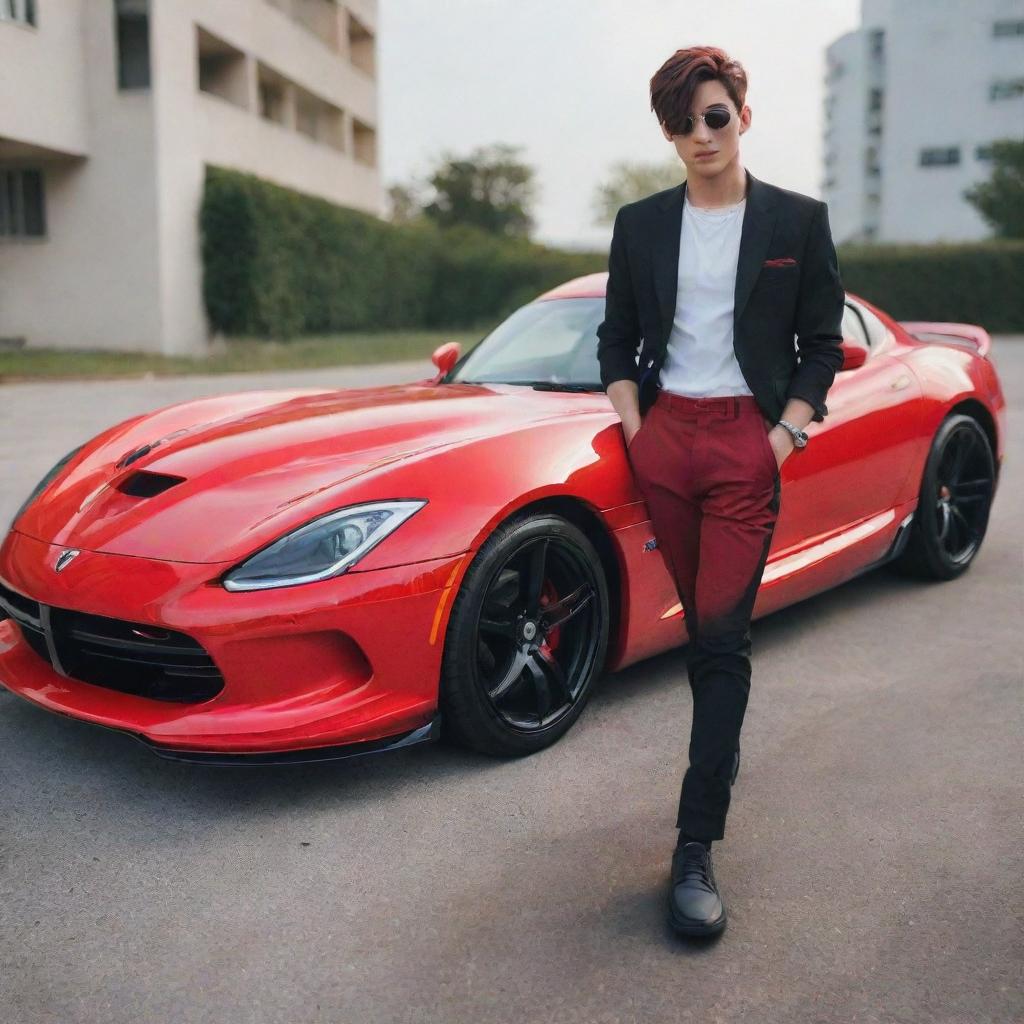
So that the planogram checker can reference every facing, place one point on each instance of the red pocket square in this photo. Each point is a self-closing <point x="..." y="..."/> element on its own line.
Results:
<point x="782" y="261"/>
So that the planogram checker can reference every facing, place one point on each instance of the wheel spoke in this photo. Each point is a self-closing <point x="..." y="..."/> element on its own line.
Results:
<point x="952" y="533"/>
<point x="963" y="442"/>
<point x="563" y="610"/>
<point x="547" y="674"/>
<point x="540" y="686"/>
<point x="515" y="670"/>
<point x="506" y="629"/>
<point x="943" y="520"/>
<point x="555" y="673"/>
<point x="485" y="657"/>
<point x="505" y="589"/>
<point x="535" y="575"/>
<point x="971" y="490"/>
<point x="967" y="530"/>
<point x="982" y="484"/>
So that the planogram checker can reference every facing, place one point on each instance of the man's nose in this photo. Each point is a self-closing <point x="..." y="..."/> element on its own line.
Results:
<point x="701" y="131"/>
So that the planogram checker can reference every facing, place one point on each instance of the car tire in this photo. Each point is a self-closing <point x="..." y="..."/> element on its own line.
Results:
<point x="527" y="637"/>
<point x="953" y="504"/>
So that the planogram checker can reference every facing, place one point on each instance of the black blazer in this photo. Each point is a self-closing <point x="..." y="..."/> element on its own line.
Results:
<point x="787" y="283"/>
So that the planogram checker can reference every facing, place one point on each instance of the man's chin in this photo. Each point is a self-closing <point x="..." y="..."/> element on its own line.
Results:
<point x="704" y="168"/>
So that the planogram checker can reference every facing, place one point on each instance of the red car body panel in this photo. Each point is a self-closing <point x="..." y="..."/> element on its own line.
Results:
<point x="358" y="657"/>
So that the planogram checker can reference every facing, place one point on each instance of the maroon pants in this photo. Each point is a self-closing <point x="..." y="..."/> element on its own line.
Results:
<point x="710" y="479"/>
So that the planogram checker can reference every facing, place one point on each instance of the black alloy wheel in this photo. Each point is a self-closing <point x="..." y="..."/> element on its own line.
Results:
<point x="954" y="502"/>
<point x="527" y="637"/>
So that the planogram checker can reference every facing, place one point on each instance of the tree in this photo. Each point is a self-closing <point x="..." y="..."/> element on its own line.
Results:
<point x="405" y="203"/>
<point x="628" y="182"/>
<point x="490" y="189"/>
<point x="1000" y="200"/>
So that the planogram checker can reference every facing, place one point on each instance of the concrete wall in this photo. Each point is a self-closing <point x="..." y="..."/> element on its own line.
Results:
<point x="93" y="281"/>
<point x="940" y="59"/>
<point x="196" y="128"/>
<point x="120" y="267"/>
<point x="940" y="62"/>
<point x="42" y="80"/>
<point x="845" y="139"/>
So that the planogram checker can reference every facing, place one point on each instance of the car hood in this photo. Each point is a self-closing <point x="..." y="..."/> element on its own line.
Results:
<point x="214" y="479"/>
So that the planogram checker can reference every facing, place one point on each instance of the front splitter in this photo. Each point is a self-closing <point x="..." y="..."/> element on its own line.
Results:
<point x="431" y="732"/>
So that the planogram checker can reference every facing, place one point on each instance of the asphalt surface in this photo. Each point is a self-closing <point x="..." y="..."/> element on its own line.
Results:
<point x="872" y="866"/>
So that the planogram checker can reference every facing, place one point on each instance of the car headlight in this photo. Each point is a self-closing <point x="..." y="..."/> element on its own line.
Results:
<point x="323" y="548"/>
<point x="45" y="482"/>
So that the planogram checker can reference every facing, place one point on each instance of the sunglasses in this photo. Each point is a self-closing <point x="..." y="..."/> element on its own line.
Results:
<point x="714" y="117"/>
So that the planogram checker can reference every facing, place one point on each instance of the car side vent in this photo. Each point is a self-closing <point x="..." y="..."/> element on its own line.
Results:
<point x="148" y="485"/>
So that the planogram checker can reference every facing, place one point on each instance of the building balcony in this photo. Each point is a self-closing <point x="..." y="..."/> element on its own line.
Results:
<point x="332" y="167"/>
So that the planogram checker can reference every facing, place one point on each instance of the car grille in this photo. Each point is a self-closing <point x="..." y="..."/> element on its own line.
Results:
<point x="131" y="657"/>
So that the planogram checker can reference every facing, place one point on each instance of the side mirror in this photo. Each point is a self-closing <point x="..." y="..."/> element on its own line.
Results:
<point x="854" y="355"/>
<point x="445" y="357"/>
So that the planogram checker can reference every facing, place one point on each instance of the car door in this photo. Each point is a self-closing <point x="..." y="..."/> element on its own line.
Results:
<point x="856" y="460"/>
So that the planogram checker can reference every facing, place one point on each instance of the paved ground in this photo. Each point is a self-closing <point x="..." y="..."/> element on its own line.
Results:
<point x="872" y="868"/>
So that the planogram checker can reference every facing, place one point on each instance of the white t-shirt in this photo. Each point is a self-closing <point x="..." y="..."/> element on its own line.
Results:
<point x="700" y="361"/>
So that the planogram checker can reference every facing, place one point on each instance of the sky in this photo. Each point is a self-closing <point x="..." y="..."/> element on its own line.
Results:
<point x="568" y="82"/>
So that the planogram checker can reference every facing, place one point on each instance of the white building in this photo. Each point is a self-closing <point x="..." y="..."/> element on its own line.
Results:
<point x="111" y="111"/>
<point x="914" y="99"/>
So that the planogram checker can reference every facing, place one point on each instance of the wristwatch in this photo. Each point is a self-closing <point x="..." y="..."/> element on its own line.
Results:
<point x="800" y="437"/>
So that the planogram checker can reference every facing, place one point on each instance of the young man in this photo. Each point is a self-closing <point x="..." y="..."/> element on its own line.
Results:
<point x="715" y="277"/>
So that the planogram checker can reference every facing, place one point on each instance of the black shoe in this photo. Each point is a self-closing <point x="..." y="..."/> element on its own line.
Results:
<point x="694" y="903"/>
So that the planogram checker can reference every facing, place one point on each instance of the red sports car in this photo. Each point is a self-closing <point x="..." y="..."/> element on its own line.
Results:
<point x="304" y="574"/>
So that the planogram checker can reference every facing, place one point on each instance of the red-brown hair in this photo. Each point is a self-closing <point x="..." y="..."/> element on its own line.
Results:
<point x="675" y="82"/>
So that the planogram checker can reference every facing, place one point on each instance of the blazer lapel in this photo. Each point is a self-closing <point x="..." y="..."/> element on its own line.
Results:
<point x="665" y="258"/>
<point x="755" y="237"/>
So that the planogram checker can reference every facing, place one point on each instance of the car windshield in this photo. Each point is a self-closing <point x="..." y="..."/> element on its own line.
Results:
<point x="548" y="341"/>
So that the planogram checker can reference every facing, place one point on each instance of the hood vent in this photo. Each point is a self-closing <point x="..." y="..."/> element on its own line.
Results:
<point x="148" y="485"/>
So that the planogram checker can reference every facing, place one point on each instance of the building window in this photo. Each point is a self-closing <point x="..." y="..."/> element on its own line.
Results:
<point x="875" y="99"/>
<point x="272" y="96"/>
<point x="876" y="43"/>
<point x="1007" y="89"/>
<point x="983" y="152"/>
<point x="21" y="204"/>
<point x="1008" y="28"/>
<point x="939" y="157"/>
<point x="319" y="120"/>
<point x="361" y="46"/>
<point x="132" y="22"/>
<point x="222" y="69"/>
<point x="18" y="10"/>
<point x="365" y="140"/>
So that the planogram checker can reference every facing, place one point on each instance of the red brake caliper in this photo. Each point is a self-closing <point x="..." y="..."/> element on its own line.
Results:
<point x="548" y="595"/>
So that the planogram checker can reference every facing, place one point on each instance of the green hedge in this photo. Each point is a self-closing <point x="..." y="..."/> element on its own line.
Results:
<point x="981" y="283"/>
<point x="277" y="263"/>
